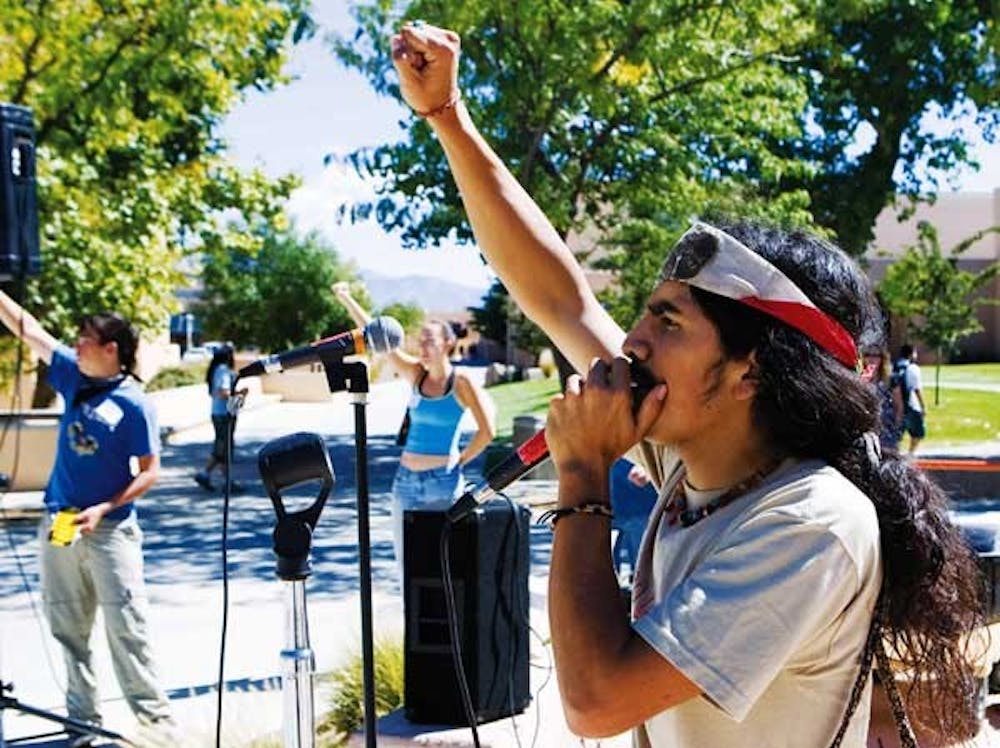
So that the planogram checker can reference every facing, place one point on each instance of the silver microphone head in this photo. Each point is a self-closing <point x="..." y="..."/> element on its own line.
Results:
<point x="383" y="334"/>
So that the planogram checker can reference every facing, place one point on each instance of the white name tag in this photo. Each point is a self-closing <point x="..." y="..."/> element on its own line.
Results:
<point x="109" y="412"/>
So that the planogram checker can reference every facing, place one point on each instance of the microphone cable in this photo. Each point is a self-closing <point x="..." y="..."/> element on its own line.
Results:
<point x="456" y="646"/>
<point x="523" y="610"/>
<point x="230" y="430"/>
<point x="517" y="612"/>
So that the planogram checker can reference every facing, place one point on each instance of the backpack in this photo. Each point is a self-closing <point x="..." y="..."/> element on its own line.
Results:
<point x="898" y="379"/>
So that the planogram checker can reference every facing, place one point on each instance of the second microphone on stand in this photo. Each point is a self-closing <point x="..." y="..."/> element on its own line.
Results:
<point x="381" y="335"/>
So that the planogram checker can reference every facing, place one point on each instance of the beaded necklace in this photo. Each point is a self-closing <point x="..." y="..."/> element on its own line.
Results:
<point x="677" y="509"/>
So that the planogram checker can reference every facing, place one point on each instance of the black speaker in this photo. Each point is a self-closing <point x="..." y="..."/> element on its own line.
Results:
<point x="489" y="559"/>
<point x="19" y="255"/>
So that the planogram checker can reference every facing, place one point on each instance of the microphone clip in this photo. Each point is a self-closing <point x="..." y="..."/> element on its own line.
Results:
<point x="284" y="463"/>
<point x="341" y="375"/>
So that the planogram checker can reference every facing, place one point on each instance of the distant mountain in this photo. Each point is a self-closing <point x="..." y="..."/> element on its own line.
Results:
<point x="432" y="294"/>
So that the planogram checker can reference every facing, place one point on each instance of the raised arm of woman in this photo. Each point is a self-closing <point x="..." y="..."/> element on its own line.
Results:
<point x="408" y="367"/>
<point x="514" y="235"/>
<point x="27" y="328"/>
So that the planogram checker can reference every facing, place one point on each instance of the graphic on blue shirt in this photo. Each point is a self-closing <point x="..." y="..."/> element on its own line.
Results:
<point x="79" y="441"/>
<point x="99" y="433"/>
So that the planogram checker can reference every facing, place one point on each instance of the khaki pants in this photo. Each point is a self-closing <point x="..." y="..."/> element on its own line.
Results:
<point x="103" y="568"/>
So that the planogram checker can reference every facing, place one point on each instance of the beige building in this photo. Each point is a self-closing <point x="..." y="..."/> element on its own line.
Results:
<point x="956" y="216"/>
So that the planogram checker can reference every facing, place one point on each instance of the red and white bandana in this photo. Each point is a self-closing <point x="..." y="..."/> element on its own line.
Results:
<point x="711" y="259"/>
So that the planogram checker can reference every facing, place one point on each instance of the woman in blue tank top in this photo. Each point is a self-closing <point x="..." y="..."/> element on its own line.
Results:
<point x="430" y="469"/>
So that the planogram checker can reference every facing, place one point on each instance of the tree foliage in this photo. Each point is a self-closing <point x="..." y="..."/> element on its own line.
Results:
<point x="612" y="114"/>
<point x="410" y="316"/>
<point x="881" y="69"/>
<point x="268" y="297"/>
<point x="127" y="98"/>
<point x="936" y="300"/>
<point x="624" y="119"/>
<point x="500" y="320"/>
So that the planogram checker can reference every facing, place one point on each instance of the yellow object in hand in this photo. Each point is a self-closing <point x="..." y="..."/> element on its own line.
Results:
<point x="64" y="530"/>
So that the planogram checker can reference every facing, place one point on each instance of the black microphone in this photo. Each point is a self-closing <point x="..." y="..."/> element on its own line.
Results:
<point x="381" y="335"/>
<point x="532" y="453"/>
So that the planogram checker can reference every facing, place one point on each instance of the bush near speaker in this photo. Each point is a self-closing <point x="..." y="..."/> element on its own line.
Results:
<point x="489" y="558"/>
<point x="19" y="252"/>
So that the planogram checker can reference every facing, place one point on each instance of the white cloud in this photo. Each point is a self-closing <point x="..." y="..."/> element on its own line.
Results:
<point x="315" y="207"/>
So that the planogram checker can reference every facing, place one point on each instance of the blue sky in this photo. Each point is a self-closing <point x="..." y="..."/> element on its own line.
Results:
<point x="328" y="109"/>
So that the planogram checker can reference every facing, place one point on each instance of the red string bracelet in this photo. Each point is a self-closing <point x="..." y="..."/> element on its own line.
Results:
<point x="451" y="103"/>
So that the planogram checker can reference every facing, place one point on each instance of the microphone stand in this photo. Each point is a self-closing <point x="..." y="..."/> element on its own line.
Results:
<point x="284" y="462"/>
<point x="353" y="377"/>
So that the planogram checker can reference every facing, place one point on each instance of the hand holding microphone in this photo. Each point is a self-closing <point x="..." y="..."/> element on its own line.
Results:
<point x="597" y="420"/>
<point x="535" y="450"/>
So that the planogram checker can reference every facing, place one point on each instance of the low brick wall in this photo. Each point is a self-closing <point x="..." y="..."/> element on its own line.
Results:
<point x="29" y="448"/>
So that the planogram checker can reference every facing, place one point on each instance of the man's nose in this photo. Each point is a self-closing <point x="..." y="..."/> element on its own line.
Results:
<point x="635" y="346"/>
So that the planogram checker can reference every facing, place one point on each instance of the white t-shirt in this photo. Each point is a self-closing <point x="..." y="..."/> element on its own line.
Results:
<point x="765" y="605"/>
<point x="913" y="383"/>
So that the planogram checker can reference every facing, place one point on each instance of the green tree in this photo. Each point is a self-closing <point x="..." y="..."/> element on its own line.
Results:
<point x="500" y="320"/>
<point x="490" y="319"/>
<point x="410" y="316"/>
<point x="274" y="297"/>
<point x="936" y="300"/>
<point x="132" y="174"/>
<point x="880" y="70"/>
<point x="612" y="114"/>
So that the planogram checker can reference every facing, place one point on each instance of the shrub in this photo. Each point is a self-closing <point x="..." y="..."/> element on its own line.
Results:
<point x="347" y="705"/>
<point x="178" y="376"/>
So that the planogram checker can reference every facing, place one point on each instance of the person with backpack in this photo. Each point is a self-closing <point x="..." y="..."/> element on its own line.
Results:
<point x="906" y="373"/>
<point x="90" y="544"/>
<point x="878" y="371"/>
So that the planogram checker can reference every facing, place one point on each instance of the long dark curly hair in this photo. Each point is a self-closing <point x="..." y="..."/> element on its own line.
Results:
<point x="811" y="406"/>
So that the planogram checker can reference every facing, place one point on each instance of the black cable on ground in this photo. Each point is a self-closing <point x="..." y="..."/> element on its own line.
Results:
<point x="456" y="646"/>
<point x="225" y="578"/>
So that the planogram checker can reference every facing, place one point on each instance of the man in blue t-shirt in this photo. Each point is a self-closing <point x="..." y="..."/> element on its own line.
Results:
<point x="97" y="560"/>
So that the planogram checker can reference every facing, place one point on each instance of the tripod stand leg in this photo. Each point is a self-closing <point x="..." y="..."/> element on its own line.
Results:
<point x="7" y="702"/>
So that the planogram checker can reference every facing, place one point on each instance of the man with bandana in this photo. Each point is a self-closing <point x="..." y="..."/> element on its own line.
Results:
<point x="90" y="542"/>
<point x="781" y="552"/>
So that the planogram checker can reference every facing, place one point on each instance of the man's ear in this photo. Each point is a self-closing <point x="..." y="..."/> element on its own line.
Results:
<point x="746" y="387"/>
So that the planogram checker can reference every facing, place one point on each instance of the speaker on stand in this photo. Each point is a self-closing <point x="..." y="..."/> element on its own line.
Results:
<point x="19" y="252"/>
<point x="489" y="558"/>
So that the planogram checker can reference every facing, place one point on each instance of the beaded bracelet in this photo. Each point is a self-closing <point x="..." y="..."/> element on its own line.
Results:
<point x="554" y="515"/>
<point x="451" y="103"/>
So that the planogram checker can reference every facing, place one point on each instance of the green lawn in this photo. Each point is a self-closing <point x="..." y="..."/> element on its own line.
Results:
<point x="962" y="373"/>
<point x="520" y="398"/>
<point x="962" y="415"/>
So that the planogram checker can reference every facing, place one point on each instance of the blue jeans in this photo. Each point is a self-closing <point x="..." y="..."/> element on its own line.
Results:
<point x="421" y="489"/>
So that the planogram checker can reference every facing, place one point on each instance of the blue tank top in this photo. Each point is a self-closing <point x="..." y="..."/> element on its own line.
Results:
<point x="434" y="422"/>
